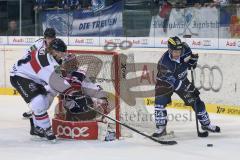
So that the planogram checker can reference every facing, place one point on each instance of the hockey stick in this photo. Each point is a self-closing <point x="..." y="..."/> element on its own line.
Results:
<point x="133" y="129"/>
<point x="200" y="134"/>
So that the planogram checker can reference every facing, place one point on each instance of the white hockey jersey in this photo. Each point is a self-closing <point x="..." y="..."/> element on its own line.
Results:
<point x="36" y="64"/>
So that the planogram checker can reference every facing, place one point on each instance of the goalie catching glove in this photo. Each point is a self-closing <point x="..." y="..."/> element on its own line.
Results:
<point x="76" y="105"/>
<point x="80" y="104"/>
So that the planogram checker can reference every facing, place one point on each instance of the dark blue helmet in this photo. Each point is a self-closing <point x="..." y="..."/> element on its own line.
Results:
<point x="174" y="43"/>
<point x="49" y="32"/>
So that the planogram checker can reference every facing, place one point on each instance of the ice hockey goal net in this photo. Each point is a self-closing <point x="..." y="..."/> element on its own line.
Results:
<point x="103" y="68"/>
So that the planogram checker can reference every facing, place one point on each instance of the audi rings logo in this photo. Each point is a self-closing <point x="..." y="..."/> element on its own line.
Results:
<point x="209" y="78"/>
<point x="29" y="40"/>
<point x="111" y="46"/>
<point x="72" y="132"/>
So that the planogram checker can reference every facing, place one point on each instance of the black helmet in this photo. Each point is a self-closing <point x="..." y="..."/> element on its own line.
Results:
<point x="58" y="45"/>
<point x="174" y="43"/>
<point x="49" y="32"/>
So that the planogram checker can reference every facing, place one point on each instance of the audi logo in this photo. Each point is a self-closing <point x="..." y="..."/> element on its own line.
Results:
<point x="208" y="78"/>
<point x="89" y="41"/>
<point x="29" y="40"/>
<point x="111" y="46"/>
<point x="72" y="132"/>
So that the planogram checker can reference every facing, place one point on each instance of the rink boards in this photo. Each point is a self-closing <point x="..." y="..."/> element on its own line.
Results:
<point x="217" y="76"/>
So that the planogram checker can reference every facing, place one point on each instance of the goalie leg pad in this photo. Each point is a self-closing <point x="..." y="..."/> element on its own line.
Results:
<point x="81" y="130"/>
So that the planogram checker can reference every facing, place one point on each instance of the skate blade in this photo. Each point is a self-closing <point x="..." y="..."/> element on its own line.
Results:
<point x="42" y="139"/>
<point x="54" y="141"/>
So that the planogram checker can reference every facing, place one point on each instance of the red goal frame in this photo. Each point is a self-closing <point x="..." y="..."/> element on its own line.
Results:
<point x="117" y="80"/>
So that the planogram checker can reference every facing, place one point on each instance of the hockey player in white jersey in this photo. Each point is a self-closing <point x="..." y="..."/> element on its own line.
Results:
<point x="40" y="46"/>
<point x="30" y="77"/>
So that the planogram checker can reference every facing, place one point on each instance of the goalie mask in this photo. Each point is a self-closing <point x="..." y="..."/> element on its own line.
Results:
<point x="69" y="64"/>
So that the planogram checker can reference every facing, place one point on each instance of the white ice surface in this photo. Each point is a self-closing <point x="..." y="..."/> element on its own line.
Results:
<point x="17" y="144"/>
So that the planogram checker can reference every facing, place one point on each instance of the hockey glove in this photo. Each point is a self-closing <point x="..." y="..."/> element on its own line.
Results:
<point x="188" y="93"/>
<point x="192" y="90"/>
<point x="192" y="63"/>
<point x="82" y="103"/>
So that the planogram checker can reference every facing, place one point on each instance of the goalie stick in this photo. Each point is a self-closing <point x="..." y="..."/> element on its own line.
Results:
<point x="57" y="83"/>
<point x="133" y="129"/>
<point x="200" y="134"/>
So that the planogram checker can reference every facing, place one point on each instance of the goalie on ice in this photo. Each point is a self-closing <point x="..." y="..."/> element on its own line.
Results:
<point x="78" y="93"/>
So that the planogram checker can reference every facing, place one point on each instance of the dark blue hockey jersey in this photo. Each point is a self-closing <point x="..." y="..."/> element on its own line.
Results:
<point x="174" y="71"/>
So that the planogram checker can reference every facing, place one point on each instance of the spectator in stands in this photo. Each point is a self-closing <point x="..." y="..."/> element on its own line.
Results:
<point x="86" y="4"/>
<point x="71" y="4"/>
<point x="164" y="12"/>
<point x="12" y="28"/>
<point x="195" y="3"/>
<point x="221" y="2"/>
<point x="46" y="4"/>
<point x="39" y="4"/>
<point x="235" y="1"/>
<point x="158" y="2"/>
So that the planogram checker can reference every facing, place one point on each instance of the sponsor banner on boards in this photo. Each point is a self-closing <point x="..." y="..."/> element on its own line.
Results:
<point x="3" y="40"/>
<point x="211" y="108"/>
<point x="84" y="41"/>
<point x="231" y="44"/>
<point x="191" y="22"/>
<point x="22" y="40"/>
<point x="207" y="43"/>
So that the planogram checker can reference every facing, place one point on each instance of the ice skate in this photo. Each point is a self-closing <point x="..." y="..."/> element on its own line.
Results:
<point x="160" y="131"/>
<point x="37" y="131"/>
<point x="49" y="134"/>
<point x="211" y="128"/>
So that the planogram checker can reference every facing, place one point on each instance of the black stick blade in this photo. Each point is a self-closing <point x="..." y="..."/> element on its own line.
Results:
<point x="168" y="142"/>
<point x="203" y="134"/>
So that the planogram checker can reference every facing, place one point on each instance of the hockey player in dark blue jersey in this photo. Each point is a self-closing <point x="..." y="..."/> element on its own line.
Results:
<point x="172" y="77"/>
